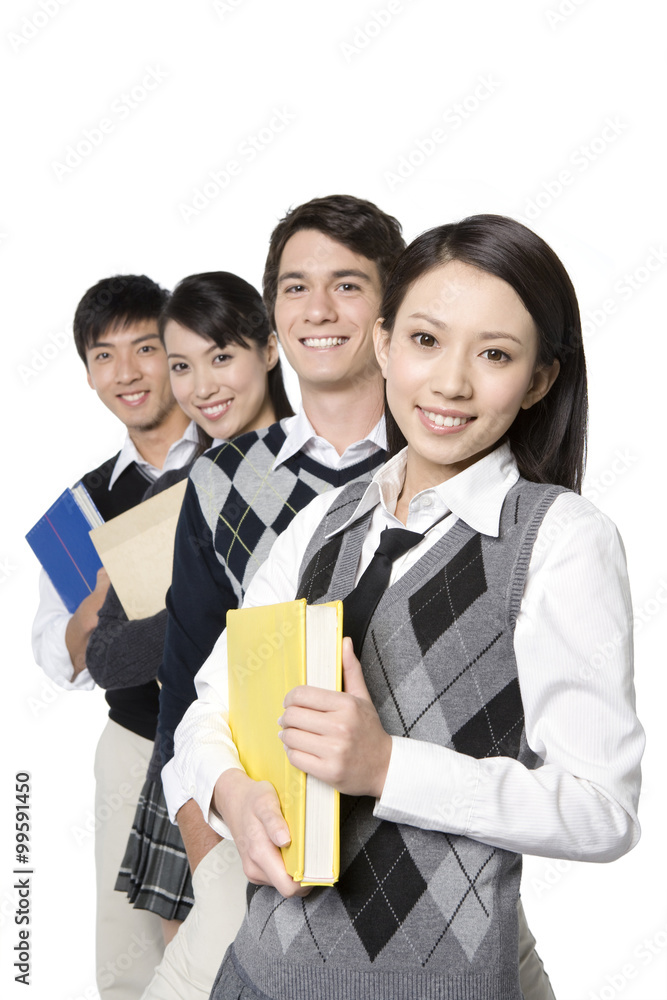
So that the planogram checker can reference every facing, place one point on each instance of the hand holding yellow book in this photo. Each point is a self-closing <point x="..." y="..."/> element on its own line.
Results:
<point x="271" y="650"/>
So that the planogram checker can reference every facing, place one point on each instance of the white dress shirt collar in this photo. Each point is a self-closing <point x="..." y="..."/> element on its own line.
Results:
<point x="475" y="495"/>
<point x="302" y="436"/>
<point x="180" y="452"/>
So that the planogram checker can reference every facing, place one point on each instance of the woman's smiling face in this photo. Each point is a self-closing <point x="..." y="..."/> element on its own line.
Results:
<point x="224" y="390"/>
<point x="460" y="363"/>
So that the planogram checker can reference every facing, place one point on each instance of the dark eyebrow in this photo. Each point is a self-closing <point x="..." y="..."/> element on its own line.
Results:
<point x="352" y="274"/>
<point x="334" y="275"/>
<point x="429" y="319"/>
<point x="490" y="335"/>
<point x="291" y="276"/>
<point x="209" y="350"/>
<point x="496" y="334"/>
<point x="139" y="340"/>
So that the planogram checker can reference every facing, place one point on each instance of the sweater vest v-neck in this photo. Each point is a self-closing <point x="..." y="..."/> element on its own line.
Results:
<point x="416" y="913"/>
<point x="247" y="501"/>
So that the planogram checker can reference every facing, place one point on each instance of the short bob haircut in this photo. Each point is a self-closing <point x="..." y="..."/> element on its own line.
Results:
<point x="114" y="304"/>
<point x="549" y="439"/>
<point x="358" y="224"/>
<point x="222" y="307"/>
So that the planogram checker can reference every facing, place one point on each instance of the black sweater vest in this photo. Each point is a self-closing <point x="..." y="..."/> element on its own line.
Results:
<point x="134" y="708"/>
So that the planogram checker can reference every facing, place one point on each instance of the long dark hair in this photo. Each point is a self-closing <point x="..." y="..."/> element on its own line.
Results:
<point x="549" y="439"/>
<point x="222" y="307"/>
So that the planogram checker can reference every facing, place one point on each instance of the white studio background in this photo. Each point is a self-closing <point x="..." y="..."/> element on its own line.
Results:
<point x="116" y="118"/>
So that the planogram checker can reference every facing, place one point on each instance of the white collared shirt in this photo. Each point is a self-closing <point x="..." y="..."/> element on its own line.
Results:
<point x="301" y="436"/>
<point x="179" y="454"/>
<point x="573" y="646"/>
<point x="52" y="617"/>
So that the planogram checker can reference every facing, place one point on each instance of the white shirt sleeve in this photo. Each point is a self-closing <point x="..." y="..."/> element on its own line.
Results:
<point x="48" y="640"/>
<point x="203" y="746"/>
<point x="573" y="645"/>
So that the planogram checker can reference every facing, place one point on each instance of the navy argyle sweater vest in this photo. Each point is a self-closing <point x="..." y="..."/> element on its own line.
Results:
<point x="416" y="913"/>
<point x="247" y="503"/>
<point x="236" y="504"/>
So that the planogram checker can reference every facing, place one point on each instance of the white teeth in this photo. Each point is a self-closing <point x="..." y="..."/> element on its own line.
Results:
<point x="440" y="421"/>
<point x="214" y="411"/>
<point x="324" y="341"/>
<point x="133" y="397"/>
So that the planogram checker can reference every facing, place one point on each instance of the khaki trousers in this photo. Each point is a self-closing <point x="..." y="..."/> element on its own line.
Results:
<point x="192" y="959"/>
<point x="129" y="942"/>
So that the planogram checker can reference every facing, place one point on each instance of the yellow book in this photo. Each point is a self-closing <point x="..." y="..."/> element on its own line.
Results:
<point x="270" y="650"/>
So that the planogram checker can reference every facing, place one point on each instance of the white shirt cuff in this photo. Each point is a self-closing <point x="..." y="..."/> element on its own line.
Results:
<point x="51" y="653"/>
<point x="200" y="789"/>
<point x="174" y="794"/>
<point x="411" y="796"/>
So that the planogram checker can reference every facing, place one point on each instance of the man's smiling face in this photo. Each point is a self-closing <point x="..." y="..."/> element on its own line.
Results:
<point x="127" y="368"/>
<point x="328" y="299"/>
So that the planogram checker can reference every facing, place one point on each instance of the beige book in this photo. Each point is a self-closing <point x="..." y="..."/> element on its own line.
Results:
<point x="137" y="551"/>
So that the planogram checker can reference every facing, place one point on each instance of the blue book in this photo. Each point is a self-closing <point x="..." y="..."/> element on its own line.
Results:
<point x="61" y="542"/>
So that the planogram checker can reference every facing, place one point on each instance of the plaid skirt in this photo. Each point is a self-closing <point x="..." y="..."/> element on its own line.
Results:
<point x="155" y="872"/>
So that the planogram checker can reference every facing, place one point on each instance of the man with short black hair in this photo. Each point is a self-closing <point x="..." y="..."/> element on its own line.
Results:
<point x="116" y="336"/>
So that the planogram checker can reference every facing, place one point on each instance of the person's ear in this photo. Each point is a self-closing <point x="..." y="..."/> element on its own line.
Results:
<point x="381" y="339"/>
<point x="543" y="378"/>
<point x="272" y="353"/>
<point x="89" y="379"/>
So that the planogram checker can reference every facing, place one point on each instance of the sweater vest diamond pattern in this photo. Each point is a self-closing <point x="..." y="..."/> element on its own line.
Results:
<point x="416" y="912"/>
<point x="247" y="502"/>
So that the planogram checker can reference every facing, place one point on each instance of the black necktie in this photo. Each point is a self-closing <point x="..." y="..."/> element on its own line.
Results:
<point x="360" y="603"/>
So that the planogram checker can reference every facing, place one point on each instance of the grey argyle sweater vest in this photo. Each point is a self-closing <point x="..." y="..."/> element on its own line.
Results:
<point x="416" y="913"/>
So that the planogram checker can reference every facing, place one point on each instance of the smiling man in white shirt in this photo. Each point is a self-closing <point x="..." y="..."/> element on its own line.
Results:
<point x="116" y="335"/>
